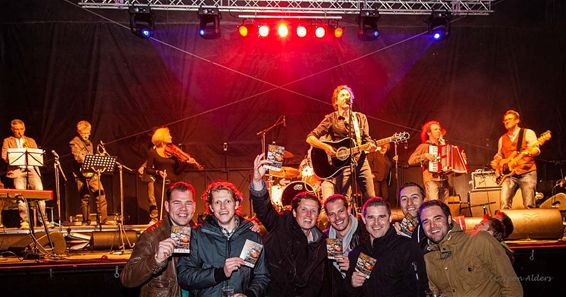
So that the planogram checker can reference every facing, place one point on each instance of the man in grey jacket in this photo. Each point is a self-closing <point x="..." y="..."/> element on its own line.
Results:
<point x="214" y="263"/>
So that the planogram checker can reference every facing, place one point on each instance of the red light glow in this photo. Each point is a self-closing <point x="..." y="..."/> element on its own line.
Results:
<point x="338" y="32"/>
<point x="263" y="30"/>
<point x="283" y="30"/>
<point x="243" y="30"/>
<point x="320" y="32"/>
<point x="301" y="31"/>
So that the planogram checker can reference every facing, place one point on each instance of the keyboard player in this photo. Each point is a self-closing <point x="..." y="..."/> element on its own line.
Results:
<point x="24" y="178"/>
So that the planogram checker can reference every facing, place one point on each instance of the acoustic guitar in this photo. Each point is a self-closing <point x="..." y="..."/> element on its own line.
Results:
<point x="325" y="166"/>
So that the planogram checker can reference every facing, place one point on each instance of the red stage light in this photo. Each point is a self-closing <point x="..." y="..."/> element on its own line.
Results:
<point x="283" y="30"/>
<point x="263" y="30"/>
<point x="338" y="32"/>
<point x="320" y="32"/>
<point x="301" y="31"/>
<point x="243" y="30"/>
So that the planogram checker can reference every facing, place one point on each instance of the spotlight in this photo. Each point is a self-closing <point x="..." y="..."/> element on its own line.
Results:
<point x="283" y="30"/>
<point x="263" y="30"/>
<point x="338" y="32"/>
<point x="367" y="30"/>
<point x="209" y="27"/>
<point x="301" y="31"/>
<point x="243" y="29"/>
<point x="141" y="21"/>
<point x="246" y="30"/>
<point x="439" y="24"/>
<point x="320" y="32"/>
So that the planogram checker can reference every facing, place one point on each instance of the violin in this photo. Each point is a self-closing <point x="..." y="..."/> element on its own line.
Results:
<point x="172" y="150"/>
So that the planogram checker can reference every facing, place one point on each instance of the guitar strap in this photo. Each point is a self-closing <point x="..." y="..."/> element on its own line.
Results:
<point x="520" y="139"/>
<point x="357" y="129"/>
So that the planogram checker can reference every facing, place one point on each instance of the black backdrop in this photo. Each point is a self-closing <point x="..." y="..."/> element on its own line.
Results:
<point x="61" y="63"/>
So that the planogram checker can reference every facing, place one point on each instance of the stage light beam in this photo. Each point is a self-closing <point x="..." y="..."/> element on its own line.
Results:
<point x="320" y="32"/>
<point x="301" y="31"/>
<point x="283" y="30"/>
<point x="263" y="30"/>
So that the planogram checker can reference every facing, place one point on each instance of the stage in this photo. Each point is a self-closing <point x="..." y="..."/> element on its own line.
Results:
<point x="92" y="259"/>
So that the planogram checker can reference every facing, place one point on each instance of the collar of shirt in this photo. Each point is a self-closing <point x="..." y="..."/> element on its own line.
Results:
<point x="229" y="233"/>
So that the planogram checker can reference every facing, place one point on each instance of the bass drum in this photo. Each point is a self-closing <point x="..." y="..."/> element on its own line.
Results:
<point x="293" y="189"/>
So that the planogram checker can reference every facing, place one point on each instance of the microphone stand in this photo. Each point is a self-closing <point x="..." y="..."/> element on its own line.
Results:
<point x="280" y="121"/>
<point x="353" y="162"/>
<point x="397" y="186"/>
<point x="121" y="230"/>
<point x="58" y="170"/>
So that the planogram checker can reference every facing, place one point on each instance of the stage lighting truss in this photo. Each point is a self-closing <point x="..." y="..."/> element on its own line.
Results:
<point x="320" y="7"/>
<point x="285" y="29"/>
<point x="439" y="24"/>
<point x="209" y="27"/>
<point x="141" y="21"/>
<point x="367" y="25"/>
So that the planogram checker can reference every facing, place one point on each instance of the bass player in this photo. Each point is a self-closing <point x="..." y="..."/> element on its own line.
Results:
<point x="525" y="173"/>
<point x="340" y="124"/>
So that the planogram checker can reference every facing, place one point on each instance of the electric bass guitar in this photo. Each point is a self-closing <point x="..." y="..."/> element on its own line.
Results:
<point x="512" y="165"/>
<point x="325" y="166"/>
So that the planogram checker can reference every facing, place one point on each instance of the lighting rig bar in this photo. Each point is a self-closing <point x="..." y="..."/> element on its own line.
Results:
<point x="339" y="7"/>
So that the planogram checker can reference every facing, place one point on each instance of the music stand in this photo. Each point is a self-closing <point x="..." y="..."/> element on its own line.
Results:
<point x="98" y="165"/>
<point x="26" y="157"/>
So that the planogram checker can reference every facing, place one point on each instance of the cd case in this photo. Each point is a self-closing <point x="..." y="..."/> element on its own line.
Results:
<point x="250" y="252"/>
<point x="333" y="247"/>
<point x="182" y="237"/>
<point x="365" y="264"/>
<point x="275" y="156"/>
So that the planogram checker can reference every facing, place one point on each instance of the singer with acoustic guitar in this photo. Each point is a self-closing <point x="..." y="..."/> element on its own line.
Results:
<point x="350" y="128"/>
<point x="88" y="183"/>
<point x="516" y="151"/>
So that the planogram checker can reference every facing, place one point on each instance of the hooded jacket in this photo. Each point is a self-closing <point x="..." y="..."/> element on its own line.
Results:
<point x="202" y="272"/>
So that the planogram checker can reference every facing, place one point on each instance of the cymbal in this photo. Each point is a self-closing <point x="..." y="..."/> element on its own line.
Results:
<point x="288" y="155"/>
<point x="285" y="172"/>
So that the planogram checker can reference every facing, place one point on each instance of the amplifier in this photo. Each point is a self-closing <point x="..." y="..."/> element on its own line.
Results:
<point x="484" y="179"/>
<point x="491" y="201"/>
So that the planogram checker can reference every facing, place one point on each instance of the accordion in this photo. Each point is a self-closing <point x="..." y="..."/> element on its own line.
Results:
<point x="448" y="160"/>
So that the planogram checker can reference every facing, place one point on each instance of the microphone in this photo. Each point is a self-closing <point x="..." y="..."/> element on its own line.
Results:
<point x="284" y="121"/>
<point x="348" y="101"/>
<point x="55" y="154"/>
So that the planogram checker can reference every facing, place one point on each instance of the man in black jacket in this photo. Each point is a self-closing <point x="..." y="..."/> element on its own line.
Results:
<point x="214" y="262"/>
<point x="399" y="269"/>
<point x="295" y="247"/>
<point x="351" y="231"/>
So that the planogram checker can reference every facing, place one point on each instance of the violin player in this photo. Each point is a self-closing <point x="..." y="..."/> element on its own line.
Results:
<point x="166" y="162"/>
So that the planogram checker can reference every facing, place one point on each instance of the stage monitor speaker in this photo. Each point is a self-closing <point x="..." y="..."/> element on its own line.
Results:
<point x="19" y="242"/>
<point x="535" y="223"/>
<point x="102" y="240"/>
<point x="491" y="200"/>
<point x="557" y="201"/>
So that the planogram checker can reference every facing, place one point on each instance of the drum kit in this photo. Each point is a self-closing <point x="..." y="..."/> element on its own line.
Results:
<point x="284" y="184"/>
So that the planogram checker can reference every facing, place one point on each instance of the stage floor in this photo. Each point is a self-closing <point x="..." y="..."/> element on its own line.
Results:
<point x="91" y="261"/>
